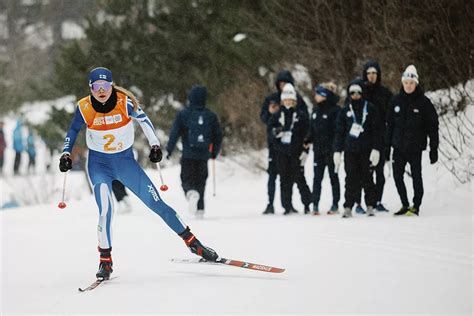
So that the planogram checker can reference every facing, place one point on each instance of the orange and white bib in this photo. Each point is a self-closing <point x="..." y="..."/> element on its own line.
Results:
<point x="110" y="132"/>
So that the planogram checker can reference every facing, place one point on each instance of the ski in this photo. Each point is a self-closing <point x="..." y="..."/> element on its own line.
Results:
<point x="234" y="263"/>
<point x="95" y="284"/>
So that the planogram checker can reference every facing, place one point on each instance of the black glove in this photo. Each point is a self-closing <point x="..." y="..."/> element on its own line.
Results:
<point x="434" y="155"/>
<point x="155" y="154"/>
<point x="65" y="162"/>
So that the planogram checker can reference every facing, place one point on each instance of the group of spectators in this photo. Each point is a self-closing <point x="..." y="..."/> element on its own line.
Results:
<point x="370" y="128"/>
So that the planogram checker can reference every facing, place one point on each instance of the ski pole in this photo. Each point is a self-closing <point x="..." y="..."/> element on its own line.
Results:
<point x="62" y="204"/>
<point x="163" y="186"/>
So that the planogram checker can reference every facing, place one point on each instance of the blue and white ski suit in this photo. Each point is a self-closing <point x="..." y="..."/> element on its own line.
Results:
<point x="110" y="138"/>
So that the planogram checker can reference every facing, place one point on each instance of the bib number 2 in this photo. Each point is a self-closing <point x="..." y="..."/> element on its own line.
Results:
<point x="108" y="145"/>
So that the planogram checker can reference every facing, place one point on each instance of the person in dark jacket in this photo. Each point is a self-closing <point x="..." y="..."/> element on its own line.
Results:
<point x="198" y="128"/>
<point x="321" y="134"/>
<point x="410" y="120"/>
<point x="270" y="106"/>
<point x="380" y="97"/>
<point x="357" y="134"/>
<point x="289" y="128"/>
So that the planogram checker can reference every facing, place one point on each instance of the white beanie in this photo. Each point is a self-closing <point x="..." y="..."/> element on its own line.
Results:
<point x="410" y="74"/>
<point x="288" y="92"/>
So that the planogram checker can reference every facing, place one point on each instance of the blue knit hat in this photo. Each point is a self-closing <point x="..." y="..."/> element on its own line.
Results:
<point x="322" y="91"/>
<point x="100" y="73"/>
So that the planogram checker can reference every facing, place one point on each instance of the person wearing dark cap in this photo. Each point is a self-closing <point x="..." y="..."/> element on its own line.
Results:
<point x="200" y="132"/>
<point x="379" y="96"/>
<point x="271" y="105"/>
<point x="321" y="134"/>
<point x="107" y="113"/>
<point x="358" y="136"/>
<point x="289" y="128"/>
<point x="411" y="119"/>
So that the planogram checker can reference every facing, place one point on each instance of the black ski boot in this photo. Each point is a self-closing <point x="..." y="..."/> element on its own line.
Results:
<point x="105" y="266"/>
<point x="196" y="247"/>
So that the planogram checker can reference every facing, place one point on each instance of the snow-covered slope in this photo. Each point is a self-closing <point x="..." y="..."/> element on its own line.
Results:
<point x="377" y="265"/>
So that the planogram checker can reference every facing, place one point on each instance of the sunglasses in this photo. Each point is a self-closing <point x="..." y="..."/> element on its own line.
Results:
<point x="409" y="75"/>
<point x="104" y="86"/>
<point x="355" y="92"/>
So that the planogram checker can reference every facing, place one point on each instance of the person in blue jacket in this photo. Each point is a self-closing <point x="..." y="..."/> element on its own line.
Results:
<point x="18" y="146"/>
<point x="201" y="135"/>
<point x="108" y="113"/>
<point x="31" y="149"/>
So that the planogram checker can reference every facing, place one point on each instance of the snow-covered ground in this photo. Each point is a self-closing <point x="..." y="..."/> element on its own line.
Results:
<point x="381" y="265"/>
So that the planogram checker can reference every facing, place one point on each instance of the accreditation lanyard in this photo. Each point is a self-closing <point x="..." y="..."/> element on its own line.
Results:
<point x="364" y="114"/>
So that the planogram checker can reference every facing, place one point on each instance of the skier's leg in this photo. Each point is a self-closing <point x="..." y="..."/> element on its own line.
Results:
<point x="133" y="177"/>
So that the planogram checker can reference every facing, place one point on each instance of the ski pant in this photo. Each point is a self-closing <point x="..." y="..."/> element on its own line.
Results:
<point x="358" y="175"/>
<point x="103" y="169"/>
<point x="320" y="164"/>
<point x="400" y="160"/>
<point x="299" y="177"/>
<point x="379" y="180"/>
<point x="16" y="164"/>
<point x="193" y="177"/>
<point x="119" y="190"/>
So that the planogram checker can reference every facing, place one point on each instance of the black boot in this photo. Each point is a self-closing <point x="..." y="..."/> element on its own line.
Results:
<point x="402" y="211"/>
<point x="105" y="266"/>
<point x="196" y="247"/>
<point x="269" y="210"/>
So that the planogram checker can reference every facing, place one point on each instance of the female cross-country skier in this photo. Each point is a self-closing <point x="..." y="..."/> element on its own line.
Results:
<point x="107" y="114"/>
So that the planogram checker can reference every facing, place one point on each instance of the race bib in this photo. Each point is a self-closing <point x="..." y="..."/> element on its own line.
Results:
<point x="356" y="129"/>
<point x="286" y="138"/>
<point x="110" y="141"/>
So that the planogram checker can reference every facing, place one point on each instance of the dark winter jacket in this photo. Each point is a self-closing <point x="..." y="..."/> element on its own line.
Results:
<point x="410" y="120"/>
<point x="369" y="139"/>
<point x="286" y="120"/>
<point x="197" y="126"/>
<point x="283" y="76"/>
<point x="323" y="126"/>
<point x="377" y="94"/>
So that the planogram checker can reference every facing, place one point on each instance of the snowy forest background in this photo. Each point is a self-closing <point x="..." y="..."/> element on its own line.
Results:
<point x="159" y="48"/>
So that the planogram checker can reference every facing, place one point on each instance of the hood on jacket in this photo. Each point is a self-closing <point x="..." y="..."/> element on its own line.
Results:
<point x="372" y="63"/>
<point x="197" y="96"/>
<point x="285" y="76"/>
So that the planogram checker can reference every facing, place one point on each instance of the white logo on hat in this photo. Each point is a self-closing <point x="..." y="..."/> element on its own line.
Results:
<point x="397" y="109"/>
<point x="325" y="116"/>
